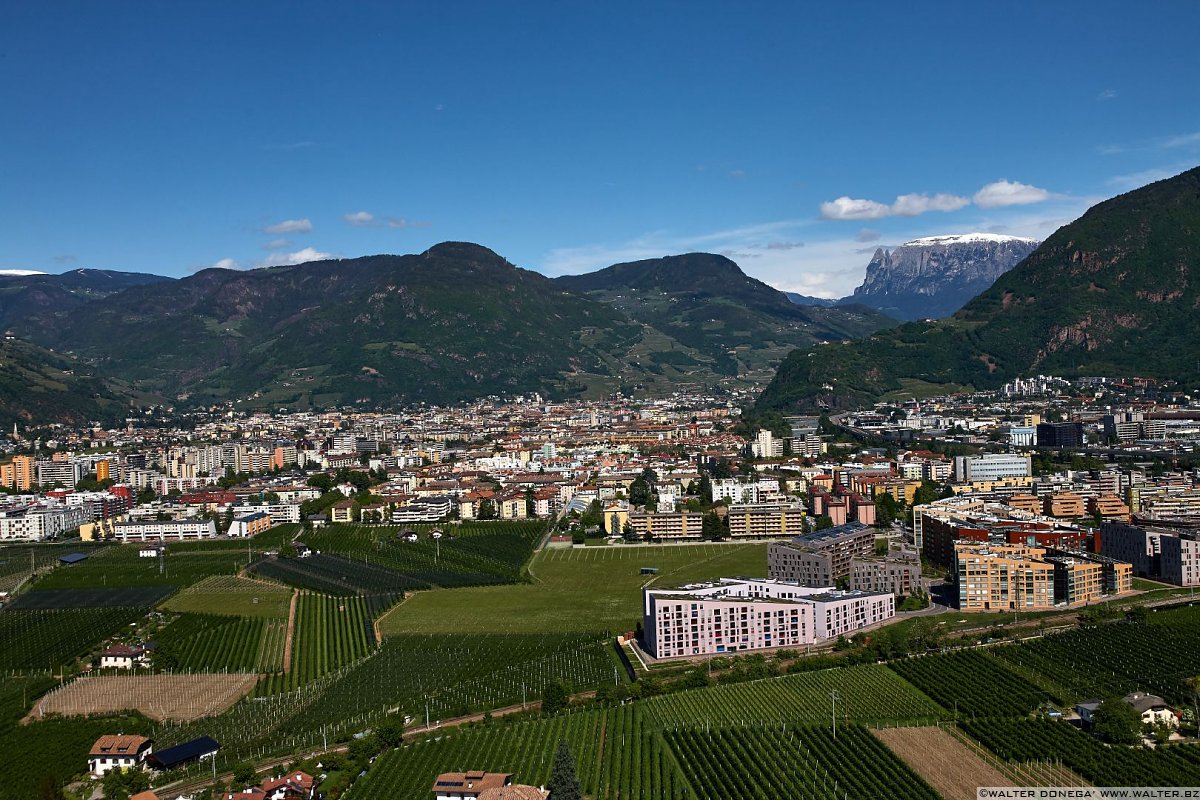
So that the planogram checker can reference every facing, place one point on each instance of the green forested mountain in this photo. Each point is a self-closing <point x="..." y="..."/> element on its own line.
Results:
<point x="1109" y="294"/>
<point x="731" y="323"/>
<point x="23" y="296"/>
<point x="38" y="386"/>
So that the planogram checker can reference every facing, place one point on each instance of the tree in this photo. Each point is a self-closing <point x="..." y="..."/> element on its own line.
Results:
<point x="1193" y="683"/>
<point x="824" y="521"/>
<point x="390" y="732"/>
<point x="146" y="495"/>
<point x="243" y="774"/>
<point x="639" y="492"/>
<point x="886" y="510"/>
<point x="627" y="532"/>
<point x="555" y="697"/>
<point x="711" y="527"/>
<point x="487" y="509"/>
<point x="706" y="495"/>
<point x="564" y="783"/>
<point x="1116" y="722"/>
<point x="48" y="789"/>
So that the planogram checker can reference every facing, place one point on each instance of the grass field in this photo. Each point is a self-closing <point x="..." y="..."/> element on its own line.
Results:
<point x="233" y="596"/>
<point x="592" y="589"/>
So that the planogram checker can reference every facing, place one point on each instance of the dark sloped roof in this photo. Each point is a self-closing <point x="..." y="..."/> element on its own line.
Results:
<point x="72" y="558"/>
<point x="182" y="753"/>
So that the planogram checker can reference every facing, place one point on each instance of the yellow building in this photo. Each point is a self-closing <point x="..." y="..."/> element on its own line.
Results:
<point x="18" y="473"/>
<point x="1003" y="578"/>
<point x="615" y="515"/>
<point x="900" y="490"/>
<point x="1108" y="506"/>
<point x="102" y="470"/>
<point x="749" y="521"/>
<point x="676" y="525"/>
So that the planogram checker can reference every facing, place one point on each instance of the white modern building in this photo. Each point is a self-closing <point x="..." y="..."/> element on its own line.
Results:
<point x="738" y="614"/>
<point x="991" y="467"/>
<point x="158" y="530"/>
<point x="35" y="523"/>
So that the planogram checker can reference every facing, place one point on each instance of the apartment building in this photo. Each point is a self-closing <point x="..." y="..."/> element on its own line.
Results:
<point x="991" y="467"/>
<point x="674" y="525"/>
<point x="249" y="525"/>
<point x="899" y="573"/>
<point x="819" y="559"/>
<point x="1159" y="553"/>
<point x="739" y="614"/>
<point x="35" y="524"/>
<point x="1003" y="578"/>
<point x="764" y="520"/>
<point x="1065" y="505"/>
<point x="155" y="531"/>
<point x="18" y="474"/>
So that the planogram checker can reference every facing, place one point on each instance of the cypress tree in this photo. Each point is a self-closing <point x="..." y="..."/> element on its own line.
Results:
<point x="564" y="784"/>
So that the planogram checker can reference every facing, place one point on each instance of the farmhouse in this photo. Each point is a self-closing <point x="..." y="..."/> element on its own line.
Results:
<point x="123" y="656"/>
<point x="292" y="786"/>
<point x="119" y="751"/>
<point x="1150" y="707"/>
<point x="478" y="785"/>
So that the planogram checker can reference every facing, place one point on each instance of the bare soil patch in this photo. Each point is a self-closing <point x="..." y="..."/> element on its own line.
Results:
<point x="159" y="697"/>
<point x="943" y="761"/>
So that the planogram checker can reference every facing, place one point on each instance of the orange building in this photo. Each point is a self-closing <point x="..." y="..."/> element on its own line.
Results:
<point x="18" y="473"/>
<point x="102" y="470"/>
<point x="1063" y="504"/>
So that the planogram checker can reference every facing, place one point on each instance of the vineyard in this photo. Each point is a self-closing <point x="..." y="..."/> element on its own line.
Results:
<point x="120" y="565"/>
<point x="1114" y="659"/>
<point x="478" y="554"/>
<point x="971" y="682"/>
<point x="48" y="639"/>
<point x="454" y="675"/>
<point x="160" y="697"/>
<point x="330" y="633"/>
<point x="761" y="761"/>
<point x="616" y="757"/>
<point x="207" y="642"/>
<point x="233" y="596"/>
<point x="865" y="693"/>
<point x="1018" y="740"/>
<point x="334" y="575"/>
<point x="124" y="597"/>
<point x="18" y="561"/>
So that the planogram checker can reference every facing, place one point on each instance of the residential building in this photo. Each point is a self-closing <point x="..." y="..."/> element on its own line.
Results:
<point x="248" y="525"/>
<point x="675" y="525"/>
<point x="162" y="530"/>
<point x="468" y="785"/>
<point x="38" y="523"/>
<point x="119" y="751"/>
<point x="739" y="614"/>
<point x="1003" y="578"/>
<point x="1067" y="505"/>
<point x="899" y="572"/>
<point x="764" y="520"/>
<point x="342" y="511"/>
<point x="18" y="474"/>
<point x="1060" y="434"/>
<point x="819" y="559"/>
<point x="1159" y="553"/>
<point x="1108" y="506"/>
<point x="991" y="467"/>
<point x="124" y="656"/>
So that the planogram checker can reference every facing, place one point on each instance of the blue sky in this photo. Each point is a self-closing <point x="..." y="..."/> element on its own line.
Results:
<point x="167" y="137"/>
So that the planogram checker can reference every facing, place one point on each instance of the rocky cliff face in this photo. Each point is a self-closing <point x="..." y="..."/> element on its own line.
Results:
<point x="934" y="277"/>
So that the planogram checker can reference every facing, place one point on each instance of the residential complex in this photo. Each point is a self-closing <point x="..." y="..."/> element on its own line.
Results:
<point x="738" y="614"/>
<point x="820" y="558"/>
<point x="1159" y="553"/>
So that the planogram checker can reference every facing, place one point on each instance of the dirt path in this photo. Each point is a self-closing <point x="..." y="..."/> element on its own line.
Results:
<point x="291" y="630"/>
<point x="375" y="624"/>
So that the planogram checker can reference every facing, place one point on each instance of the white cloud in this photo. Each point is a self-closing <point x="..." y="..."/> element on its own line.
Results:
<point x="359" y="218"/>
<point x="290" y="226"/>
<point x="911" y="205"/>
<point x="225" y="263"/>
<point x="1183" y="140"/>
<point x="1009" y="193"/>
<point x="298" y="257"/>
<point x="365" y="219"/>
<point x="905" y="205"/>
<point x="1107" y="94"/>
<point x="849" y="208"/>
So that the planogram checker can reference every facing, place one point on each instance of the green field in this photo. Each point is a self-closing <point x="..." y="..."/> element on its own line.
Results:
<point x="52" y="638"/>
<point x="592" y="589"/>
<point x="233" y="596"/>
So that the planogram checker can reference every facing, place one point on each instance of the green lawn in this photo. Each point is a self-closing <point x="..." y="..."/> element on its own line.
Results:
<point x="592" y="589"/>
<point x="233" y="596"/>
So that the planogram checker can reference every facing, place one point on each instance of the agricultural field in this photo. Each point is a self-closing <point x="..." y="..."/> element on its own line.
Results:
<point x="479" y="553"/>
<point x="17" y="561"/>
<point x="56" y="747"/>
<point x="158" y="697"/>
<point x="454" y="675"/>
<point x="615" y="756"/>
<point x="1116" y="658"/>
<point x="586" y="589"/>
<point x="972" y="683"/>
<point x="330" y="633"/>
<point x="1022" y="740"/>
<point x="120" y="565"/>
<point x="116" y="597"/>
<point x="334" y="575"/>
<point x="942" y="761"/>
<point x="52" y="638"/>
<point x="868" y="693"/>
<point x="212" y="643"/>
<point x="233" y="596"/>
<point x="781" y="761"/>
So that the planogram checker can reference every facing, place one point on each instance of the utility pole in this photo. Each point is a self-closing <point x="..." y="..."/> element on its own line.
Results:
<point x="833" y="698"/>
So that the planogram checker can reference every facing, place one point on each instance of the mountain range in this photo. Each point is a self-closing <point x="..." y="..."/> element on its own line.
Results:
<point x="932" y="277"/>
<point x="1109" y="294"/>
<point x="453" y="323"/>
